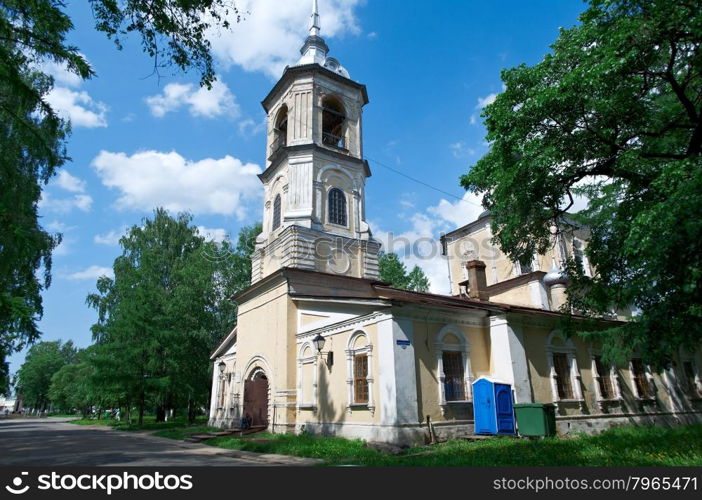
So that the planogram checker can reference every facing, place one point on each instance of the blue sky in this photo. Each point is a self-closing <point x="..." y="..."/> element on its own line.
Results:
<point x="140" y="141"/>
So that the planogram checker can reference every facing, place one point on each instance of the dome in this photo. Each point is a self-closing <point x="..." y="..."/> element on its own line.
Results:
<point x="332" y="64"/>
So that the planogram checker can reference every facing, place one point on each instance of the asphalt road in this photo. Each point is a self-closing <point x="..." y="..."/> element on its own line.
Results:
<point x="54" y="442"/>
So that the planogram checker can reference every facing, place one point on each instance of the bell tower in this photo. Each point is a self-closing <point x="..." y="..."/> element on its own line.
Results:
<point x="315" y="176"/>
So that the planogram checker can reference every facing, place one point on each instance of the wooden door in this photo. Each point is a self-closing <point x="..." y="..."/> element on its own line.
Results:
<point x="256" y="400"/>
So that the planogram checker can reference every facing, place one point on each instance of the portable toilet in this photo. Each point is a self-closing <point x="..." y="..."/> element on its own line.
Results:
<point x="492" y="407"/>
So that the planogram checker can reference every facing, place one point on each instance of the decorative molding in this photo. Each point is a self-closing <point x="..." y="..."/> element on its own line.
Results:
<point x="464" y="348"/>
<point x="350" y="354"/>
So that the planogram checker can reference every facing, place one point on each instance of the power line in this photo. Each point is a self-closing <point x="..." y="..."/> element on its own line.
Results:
<point x="418" y="181"/>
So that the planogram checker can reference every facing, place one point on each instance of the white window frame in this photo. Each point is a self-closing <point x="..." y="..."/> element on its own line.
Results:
<point x="303" y="360"/>
<point x="350" y="367"/>
<point x="464" y="348"/>
<point x="613" y="375"/>
<point x="568" y="348"/>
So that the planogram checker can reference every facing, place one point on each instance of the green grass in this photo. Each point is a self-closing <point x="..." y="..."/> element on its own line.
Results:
<point x="625" y="446"/>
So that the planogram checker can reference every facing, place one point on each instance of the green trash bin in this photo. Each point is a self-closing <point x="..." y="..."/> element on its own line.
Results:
<point x="535" y="419"/>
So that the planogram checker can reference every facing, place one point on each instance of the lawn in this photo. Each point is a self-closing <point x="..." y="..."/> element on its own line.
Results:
<point x="624" y="446"/>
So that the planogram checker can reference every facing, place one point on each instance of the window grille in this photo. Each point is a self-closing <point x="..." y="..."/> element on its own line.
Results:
<point x="360" y="378"/>
<point x="276" y="213"/>
<point x="337" y="207"/>
<point x="454" y="384"/>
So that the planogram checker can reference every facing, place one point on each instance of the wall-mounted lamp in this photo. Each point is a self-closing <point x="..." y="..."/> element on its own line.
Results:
<point x="222" y="365"/>
<point x="319" y="342"/>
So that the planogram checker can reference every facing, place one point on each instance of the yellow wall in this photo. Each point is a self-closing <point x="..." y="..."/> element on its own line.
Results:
<point x="333" y="388"/>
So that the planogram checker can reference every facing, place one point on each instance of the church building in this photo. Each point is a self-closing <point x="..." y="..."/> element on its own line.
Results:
<point x="322" y="345"/>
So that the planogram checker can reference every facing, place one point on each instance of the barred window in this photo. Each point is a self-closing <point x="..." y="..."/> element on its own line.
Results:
<point x="604" y="379"/>
<point x="563" y="379"/>
<point x="337" y="207"/>
<point x="360" y="378"/>
<point x="454" y="385"/>
<point x="276" y="213"/>
<point x="643" y="387"/>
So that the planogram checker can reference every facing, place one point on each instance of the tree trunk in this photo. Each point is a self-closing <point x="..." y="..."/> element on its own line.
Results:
<point x="160" y="413"/>
<point x="140" y="421"/>
<point x="191" y="412"/>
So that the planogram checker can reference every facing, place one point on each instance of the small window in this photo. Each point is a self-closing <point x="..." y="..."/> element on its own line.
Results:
<point x="563" y="378"/>
<point x="360" y="378"/>
<point x="604" y="379"/>
<point x="643" y="386"/>
<point x="337" y="207"/>
<point x="691" y="378"/>
<point x="276" y="213"/>
<point x="333" y="123"/>
<point x="454" y="384"/>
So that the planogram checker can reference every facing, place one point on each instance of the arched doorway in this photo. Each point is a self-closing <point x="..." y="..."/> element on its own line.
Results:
<point x="256" y="398"/>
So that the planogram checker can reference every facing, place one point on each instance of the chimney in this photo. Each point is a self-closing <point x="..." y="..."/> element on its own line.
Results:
<point x="476" y="280"/>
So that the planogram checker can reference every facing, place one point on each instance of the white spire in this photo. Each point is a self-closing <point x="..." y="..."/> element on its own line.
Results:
<point x="314" y="19"/>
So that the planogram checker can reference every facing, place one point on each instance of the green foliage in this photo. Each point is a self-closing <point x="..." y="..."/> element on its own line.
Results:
<point x="393" y="271"/>
<point x="35" y="375"/>
<point x="163" y="313"/>
<point x="615" y="113"/>
<point x="173" y="32"/>
<point x="33" y="137"/>
<point x="625" y="446"/>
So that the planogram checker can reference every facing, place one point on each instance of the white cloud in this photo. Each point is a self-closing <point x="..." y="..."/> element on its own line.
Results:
<point x="420" y="245"/>
<point x="150" y="178"/>
<point x="92" y="273"/>
<point x="218" y="235"/>
<point x="74" y="105"/>
<point x="69" y="182"/>
<point x="200" y="101"/>
<point x="82" y="202"/>
<point x="78" y="107"/>
<point x="459" y="212"/>
<point x="61" y="74"/>
<point x="110" y="238"/>
<point x="484" y="101"/>
<point x="59" y="226"/>
<point x="461" y="150"/>
<point x="272" y="32"/>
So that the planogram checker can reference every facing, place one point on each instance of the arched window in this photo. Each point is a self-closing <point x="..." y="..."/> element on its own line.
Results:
<point x="281" y="128"/>
<point x="333" y="123"/>
<point x="359" y="365"/>
<point x="337" y="207"/>
<point x="307" y="378"/>
<point x="453" y="368"/>
<point x="276" y="213"/>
